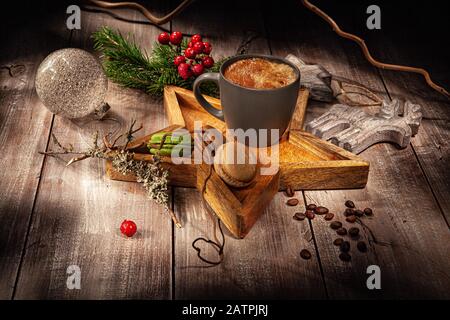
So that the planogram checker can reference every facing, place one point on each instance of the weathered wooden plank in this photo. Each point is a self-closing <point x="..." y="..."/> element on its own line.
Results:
<point x="78" y="210"/>
<point x="406" y="216"/>
<point x="267" y="263"/>
<point x="431" y="144"/>
<point x="24" y="129"/>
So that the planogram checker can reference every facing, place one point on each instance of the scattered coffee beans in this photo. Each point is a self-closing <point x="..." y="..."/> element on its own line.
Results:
<point x="335" y="225"/>
<point x="349" y="212"/>
<point x="349" y="204"/>
<point x="305" y="254"/>
<point x="321" y="210"/>
<point x="361" y="245"/>
<point x="292" y="202"/>
<point x="344" y="256"/>
<point x="329" y="216"/>
<point x="310" y="214"/>
<point x="359" y="213"/>
<point x="345" y="246"/>
<point x="290" y="192"/>
<point x="299" y="216"/>
<point x="341" y="231"/>
<point x="368" y="212"/>
<point x="354" y="232"/>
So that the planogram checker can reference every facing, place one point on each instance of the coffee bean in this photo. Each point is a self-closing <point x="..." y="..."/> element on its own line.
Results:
<point x="299" y="216"/>
<point x="289" y="192"/>
<point x="329" y="216"/>
<point x="292" y="202"/>
<point x="361" y="245"/>
<point x="368" y="212"/>
<point x="344" y="256"/>
<point x="321" y="210"/>
<point x="345" y="246"/>
<point x="311" y="206"/>
<point x="349" y="204"/>
<point x="354" y="232"/>
<point x="305" y="254"/>
<point x="359" y="213"/>
<point x="341" y="231"/>
<point x="338" y="241"/>
<point x="335" y="225"/>
<point x="309" y="214"/>
<point x="350" y="219"/>
<point x="349" y="212"/>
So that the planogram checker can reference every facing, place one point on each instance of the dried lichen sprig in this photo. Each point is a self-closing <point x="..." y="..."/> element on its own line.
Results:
<point x="152" y="176"/>
<point x="367" y="54"/>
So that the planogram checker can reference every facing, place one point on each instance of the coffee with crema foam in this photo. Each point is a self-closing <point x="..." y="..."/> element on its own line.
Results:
<point x="258" y="73"/>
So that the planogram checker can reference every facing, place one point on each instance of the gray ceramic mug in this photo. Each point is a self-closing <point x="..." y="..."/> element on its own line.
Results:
<point x="248" y="108"/>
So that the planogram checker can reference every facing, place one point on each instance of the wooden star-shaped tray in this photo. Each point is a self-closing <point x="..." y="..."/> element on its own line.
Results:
<point x="305" y="161"/>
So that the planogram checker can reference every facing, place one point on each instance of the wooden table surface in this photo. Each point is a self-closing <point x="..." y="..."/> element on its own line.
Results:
<point x="52" y="216"/>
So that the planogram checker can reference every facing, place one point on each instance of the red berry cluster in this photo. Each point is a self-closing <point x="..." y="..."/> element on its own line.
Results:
<point x="195" y="58"/>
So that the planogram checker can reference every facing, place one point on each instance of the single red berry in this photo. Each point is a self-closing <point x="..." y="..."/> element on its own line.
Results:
<point x="196" y="38"/>
<point x="190" y="44"/>
<point x="197" y="69"/>
<point x="164" y="38"/>
<point x="190" y="53"/>
<point x="178" y="60"/>
<point x="208" y="62"/>
<point x="176" y="37"/>
<point x="184" y="71"/>
<point x="207" y="48"/>
<point x="128" y="228"/>
<point x="198" y="47"/>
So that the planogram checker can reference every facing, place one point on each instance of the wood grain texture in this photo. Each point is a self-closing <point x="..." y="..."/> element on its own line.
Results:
<point x="308" y="163"/>
<point x="78" y="211"/>
<point x="431" y="144"/>
<point x="238" y="209"/>
<point x="267" y="263"/>
<point x="414" y="233"/>
<point x="298" y="118"/>
<point x="356" y="130"/>
<point x="24" y="130"/>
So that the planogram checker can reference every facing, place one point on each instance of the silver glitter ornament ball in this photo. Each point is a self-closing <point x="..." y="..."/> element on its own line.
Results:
<point x="71" y="83"/>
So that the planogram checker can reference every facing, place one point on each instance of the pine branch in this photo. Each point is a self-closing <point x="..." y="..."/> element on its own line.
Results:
<point x="126" y="63"/>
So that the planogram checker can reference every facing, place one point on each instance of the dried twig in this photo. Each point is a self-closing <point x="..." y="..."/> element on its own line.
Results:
<point x="77" y="159"/>
<point x="367" y="54"/>
<point x="174" y="218"/>
<point x="143" y="10"/>
<point x="151" y="175"/>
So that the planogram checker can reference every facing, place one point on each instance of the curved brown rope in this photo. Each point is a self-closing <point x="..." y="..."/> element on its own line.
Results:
<point x="142" y="9"/>
<point x="367" y="54"/>
<point x="216" y="244"/>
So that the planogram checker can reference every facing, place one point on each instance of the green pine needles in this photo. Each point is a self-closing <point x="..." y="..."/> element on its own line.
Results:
<point x="126" y="63"/>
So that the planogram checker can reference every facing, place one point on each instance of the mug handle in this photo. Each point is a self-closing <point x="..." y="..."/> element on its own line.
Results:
<point x="211" y="76"/>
